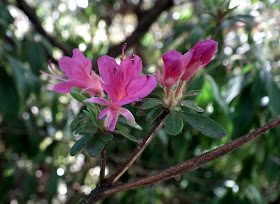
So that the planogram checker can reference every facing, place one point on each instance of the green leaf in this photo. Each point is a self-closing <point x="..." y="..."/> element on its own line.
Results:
<point x="141" y="112"/>
<point x="95" y="147"/>
<point x="174" y="123"/>
<point x="122" y="128"/>
<point x="119" y="138"/>
<point x="88" y="127"/>
<point x="128" y="122"/>
<point x="192" y="105"/>
<point x="154" y="114"/>
<point x="205" y="125"/>
<point x="106" y="136"/>
<point x="78" y="96"/>
<point x="76" y="89"/>
<point x="220" y="100"/>
<point x="79" y="145"/>
<point x="127" y="135"/>
<point x="9" y="99"/>
<point x="273" y="92"/>
<point x="36" y="56"/>
<point x="193" y="93"/>
<point x="77" y="121"/>
<point x="19" y="73"/>
<point x="151" y="104"/>
<point x="91" y="115"/>
<point x="233" y="88"/>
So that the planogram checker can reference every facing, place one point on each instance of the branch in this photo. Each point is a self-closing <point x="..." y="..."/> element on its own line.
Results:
<point x="138" y="150"/>
<point x="184" y="167"/>
<point x="144" y="24"/>
<point x="31" y="14"/>
<point x="103" y="164"/>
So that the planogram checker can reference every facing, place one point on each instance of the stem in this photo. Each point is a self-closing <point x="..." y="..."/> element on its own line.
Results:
<point x="184" y="167"/>
<point x="138" y="150"/>
<point x="219" y="21"/>
<point x="189" y="82"/>
<point x="103" y="164"/>
<point x="179" y="88"/>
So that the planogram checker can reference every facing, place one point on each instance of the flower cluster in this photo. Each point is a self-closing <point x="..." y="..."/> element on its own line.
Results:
<point x="123" y="82"/>
<point x="179" y="68"/>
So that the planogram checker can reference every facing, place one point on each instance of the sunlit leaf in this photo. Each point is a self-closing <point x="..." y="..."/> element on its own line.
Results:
<point x="193" y="93"/>
<point x="192" y="105"/>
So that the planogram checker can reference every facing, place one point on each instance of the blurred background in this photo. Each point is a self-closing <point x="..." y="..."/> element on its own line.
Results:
<point x="240" y="91"/>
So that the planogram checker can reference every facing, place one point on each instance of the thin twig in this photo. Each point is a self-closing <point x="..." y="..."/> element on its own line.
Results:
<point x="103" y="164"/>
<point x="184" y="167"/>
<point x="138" y="150"/>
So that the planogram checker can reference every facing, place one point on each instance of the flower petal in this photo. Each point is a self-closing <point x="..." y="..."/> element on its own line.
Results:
<point x="107" y="67"/>
<point x="204" y="51"/>
<point x="173" y="64"/>
<point x="138" y="88"/>
<point x="190" y="71"/>
<point x="65" y="87"/>
<point x="76" y="68"/>
<point x="132" y="67"/>
<point x="111" y="119"/>
<point x="103" y="112"/>
<point x="126" y="113"/>
<point x="98" y="101"/>
<point x="158" y="76"/>
<point x="141" y="86"/>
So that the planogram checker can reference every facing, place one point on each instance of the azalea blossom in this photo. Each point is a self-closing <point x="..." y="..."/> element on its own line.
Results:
<point x="199" y="56"/>
<point x="78" y="73"/>
<point x="182" y="67"/>
<point x="123" y="84"/>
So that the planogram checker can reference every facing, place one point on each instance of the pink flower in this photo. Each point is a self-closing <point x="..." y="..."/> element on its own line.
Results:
<point x="78" y="74"/>
<point x="177" y="66"/>
<point x="201" y="55"/>
<point x="123" y="84"/>
<point x="173" y="66"/>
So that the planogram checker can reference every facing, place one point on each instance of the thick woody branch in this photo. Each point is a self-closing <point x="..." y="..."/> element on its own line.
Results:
<point x="31" y="14"/>
<point x="184" y="167"/>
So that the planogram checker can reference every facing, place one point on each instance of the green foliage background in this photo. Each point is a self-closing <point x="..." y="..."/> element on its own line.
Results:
<point x="240" y="91"/>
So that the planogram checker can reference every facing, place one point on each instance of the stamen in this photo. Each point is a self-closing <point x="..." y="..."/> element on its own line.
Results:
<point x="52" y="76"/>
<point x="50" y="64"/>
<point x="147" y="76"/>
<point x="115" y="69"/>
<point x="123" y="48"/>
<point x="132" y="60"/>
